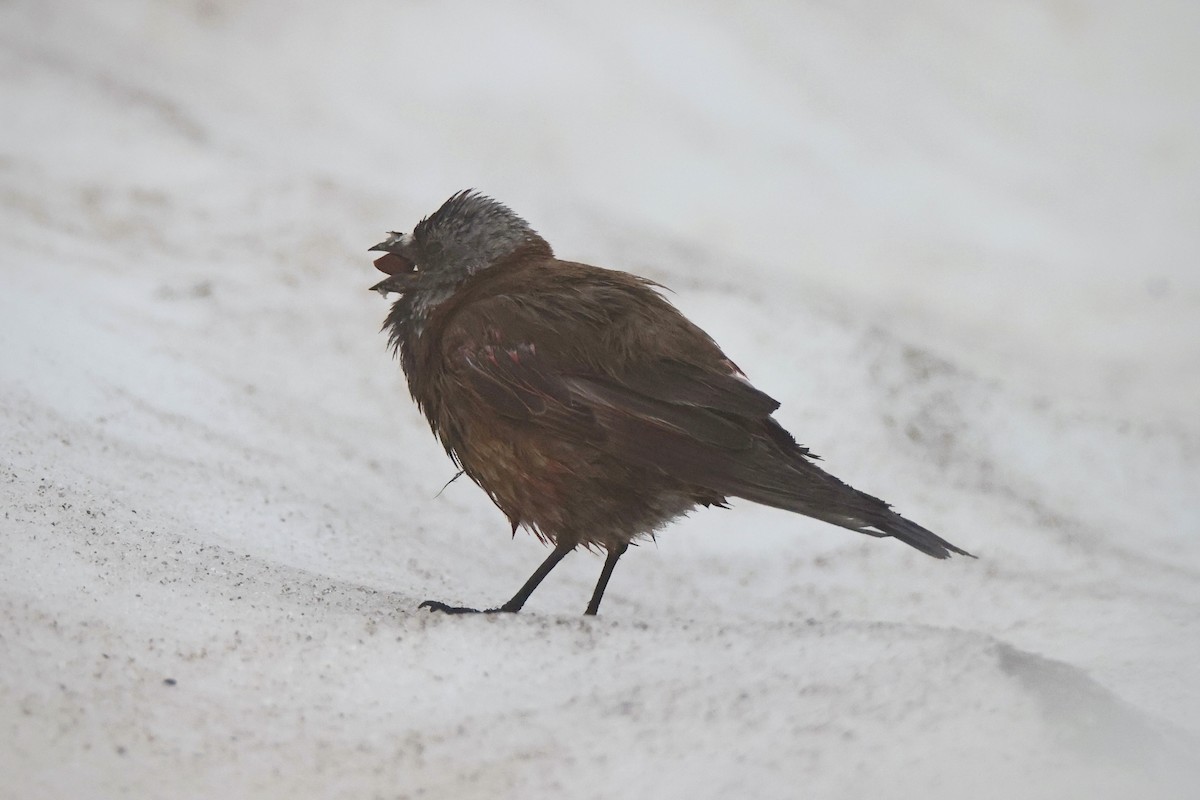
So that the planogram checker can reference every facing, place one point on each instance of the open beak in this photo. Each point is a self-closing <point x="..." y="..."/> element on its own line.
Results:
<point x="392" y="244"/>
<point x="400" y="269"/>
<point x="396" y="283"/>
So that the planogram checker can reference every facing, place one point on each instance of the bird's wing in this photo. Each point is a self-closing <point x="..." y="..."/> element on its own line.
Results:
<point x="640" y="405"/>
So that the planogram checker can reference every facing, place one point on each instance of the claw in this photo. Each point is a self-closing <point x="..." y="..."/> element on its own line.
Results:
<point x="437" y="605"/>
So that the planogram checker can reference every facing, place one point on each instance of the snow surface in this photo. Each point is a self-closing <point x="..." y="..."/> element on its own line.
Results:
<point x="958" y="241"/>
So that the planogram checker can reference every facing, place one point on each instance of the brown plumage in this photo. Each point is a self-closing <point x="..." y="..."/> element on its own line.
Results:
<point x="588" y="408"/>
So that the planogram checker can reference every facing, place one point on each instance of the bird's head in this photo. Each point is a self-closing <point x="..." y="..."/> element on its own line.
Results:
<point x="469" y="233"/>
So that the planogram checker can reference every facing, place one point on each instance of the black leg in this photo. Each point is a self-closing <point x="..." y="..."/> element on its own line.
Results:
<point x="538" y="575"/>
<point x="610" y="563"/>
<point x="522" y="594"/>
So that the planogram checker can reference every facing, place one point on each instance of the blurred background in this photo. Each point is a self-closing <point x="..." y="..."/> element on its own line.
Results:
<point x="991" y="180"/>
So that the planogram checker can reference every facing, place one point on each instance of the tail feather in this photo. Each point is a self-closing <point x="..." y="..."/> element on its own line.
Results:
<point x="806" y="489"/>
<point x="914" y="535"/>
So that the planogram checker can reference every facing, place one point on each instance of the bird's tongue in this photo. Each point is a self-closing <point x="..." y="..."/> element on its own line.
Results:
<point x="393" y="264"/>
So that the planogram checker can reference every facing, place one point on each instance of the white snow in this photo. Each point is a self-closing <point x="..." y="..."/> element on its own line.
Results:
<point x="958" y="241"/>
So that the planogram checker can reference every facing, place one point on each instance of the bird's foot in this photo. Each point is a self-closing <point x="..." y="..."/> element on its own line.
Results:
<point x="437" y="605"/>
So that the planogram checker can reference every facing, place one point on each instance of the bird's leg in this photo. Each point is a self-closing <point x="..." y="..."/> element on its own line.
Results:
<point x="538" y="575"/>
<point x="522" y="594"/>
<point x="610" y="563"/>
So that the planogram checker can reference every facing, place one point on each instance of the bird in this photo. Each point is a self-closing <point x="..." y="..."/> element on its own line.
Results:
<point x="589" y="409"/>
